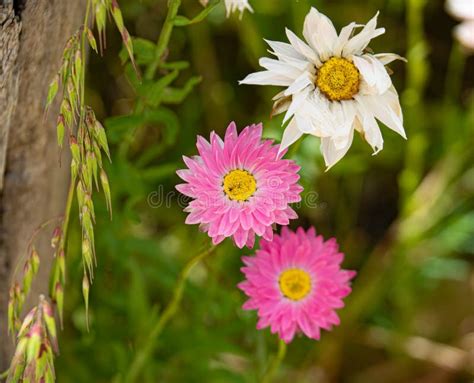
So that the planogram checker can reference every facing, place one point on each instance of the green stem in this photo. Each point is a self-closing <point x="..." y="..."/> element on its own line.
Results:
<point x="164" y="38"/>
<point x="150" y="71"/>
<point x="67" y="212"/>
<point x="84" y="39"/>
<point x="275" y="363"/>
<point x="144" y="352"/>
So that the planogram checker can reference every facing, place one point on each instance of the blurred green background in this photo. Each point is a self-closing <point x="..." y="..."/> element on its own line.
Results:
<point x="404" y="218"/>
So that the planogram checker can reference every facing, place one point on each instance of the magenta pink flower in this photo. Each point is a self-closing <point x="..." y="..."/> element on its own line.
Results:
<point x="296" y="283"/>
<point x="240" y="186"/>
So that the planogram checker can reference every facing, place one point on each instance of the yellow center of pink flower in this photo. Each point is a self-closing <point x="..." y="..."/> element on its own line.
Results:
<point x="295" y="284"/>
<point x="239" y="185"/>
<point x="338" y="79"/>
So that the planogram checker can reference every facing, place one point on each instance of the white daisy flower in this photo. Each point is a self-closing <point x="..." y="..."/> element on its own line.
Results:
<point x="461" y="9"/>
<point x="464" y="32"/>
<point x="333" y="86"/>
<point x="237" y="5"/>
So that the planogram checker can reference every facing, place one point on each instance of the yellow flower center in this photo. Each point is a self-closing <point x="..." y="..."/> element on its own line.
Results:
<point x="338" y="79"/>
<point x="295" y="284"/>
<point x="239" y="185"/>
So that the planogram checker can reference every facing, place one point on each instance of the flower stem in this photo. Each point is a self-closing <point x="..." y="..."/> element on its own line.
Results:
<point x="144" y="352"/>
<point x="67" y="211"/>
<point x="275" y="363"/>
<point x="164" y="38"/>
<point x="161" y="46"/>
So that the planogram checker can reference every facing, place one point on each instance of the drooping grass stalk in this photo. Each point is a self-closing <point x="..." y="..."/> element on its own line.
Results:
<point x="144" y="352"/>
<point x="87" y="141"/>
<point x="72" y="182"/>
<point x="275" y="363"/>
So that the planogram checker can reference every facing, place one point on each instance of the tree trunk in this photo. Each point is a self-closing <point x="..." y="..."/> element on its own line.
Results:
<point x="32" y="184"/>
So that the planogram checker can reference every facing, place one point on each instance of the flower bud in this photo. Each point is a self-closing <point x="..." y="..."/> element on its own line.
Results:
<point x="85" y="293"/>
<point x="48" y="316"/>
<point x="76" y="154"/>
<point x="35" y="261"/>
<point x="53" y="90"/>
<point x="106" y="187"/>
<point x="60" y="130"/>
<point x="91" y="38"/>
<point x="55" y="237"/>
<point x="59" y="297"/>
<point x="34" y="341"/>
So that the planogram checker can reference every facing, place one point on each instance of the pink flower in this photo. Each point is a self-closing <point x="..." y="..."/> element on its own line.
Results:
<point x="296" y="283"/>
<point x="240" y="186"/>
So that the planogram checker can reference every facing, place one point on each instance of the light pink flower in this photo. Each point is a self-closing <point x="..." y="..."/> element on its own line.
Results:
<point x="296" y="283"/>
<point x="240" y="186"/>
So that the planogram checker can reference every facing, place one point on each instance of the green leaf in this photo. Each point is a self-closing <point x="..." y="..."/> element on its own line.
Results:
<point x="177" y="95"/>
<point x="153" y="91"/>
<point x="119" y="126"/>
<point x="158" y="173"/>
<point x="144" y="50"/>
<point x="170" y="121"/>
<point x="179" y="65"/>
<point x="132" y="76"/>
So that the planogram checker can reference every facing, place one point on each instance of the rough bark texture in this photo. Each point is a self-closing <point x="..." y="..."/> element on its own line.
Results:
<point x="34" y="186"/>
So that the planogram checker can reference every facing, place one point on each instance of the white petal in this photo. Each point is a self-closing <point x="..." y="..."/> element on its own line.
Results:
<point x="289" y="64"/>
<point x="320" y="33"/>
<point x="237" y="5"/>
<point x="343" y="38"/>
<point x="296" y="103"/>
<point x="344" y="114"/>
<point x="302" y="47"/>
<point x="360" y="41"/>
<point x="304" y="124"/>
<point x="464" y="33"/>
<point x="280" y="67"/>
<point x="387" y="58"/>
<point x="369" y="127"/>
<point x="266" y="78"/>
<point x="290" y="135"/>
<point x="462" y="9"/>
<point x="316" y="109"/>
<point x="281" y="103"/>
<point x="373" y="72"/>
<point x="330" y="153"/>
<point x="284" y="50"/>
<point x="386" y="108"/>
<point x="299" y="84"/>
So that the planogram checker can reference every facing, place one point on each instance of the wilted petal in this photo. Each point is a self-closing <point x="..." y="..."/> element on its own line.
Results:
<point x="360" y="41"/>
<point x="267" y="78"/>
<point x="331" y="153"/>
<point x="320" y="33"/>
